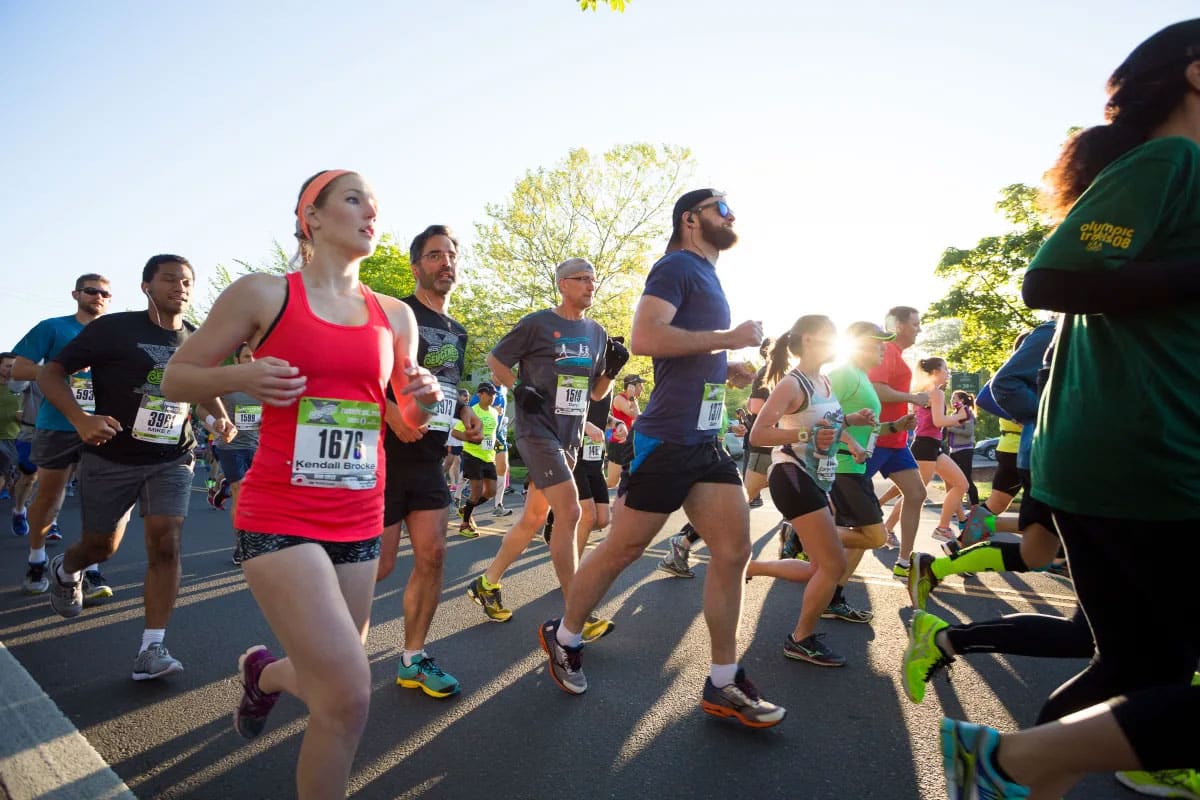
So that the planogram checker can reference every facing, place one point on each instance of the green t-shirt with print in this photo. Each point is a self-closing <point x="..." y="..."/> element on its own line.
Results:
<point x="485" y="450"/>
<point x="10" y="404"/>
<point x="854" y="391"/>
<point x="1117" y="430"/>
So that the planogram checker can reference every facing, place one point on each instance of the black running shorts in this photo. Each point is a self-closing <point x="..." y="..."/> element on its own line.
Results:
<point x="590" y="481"/>
<point x="662" y="474"/>
<point x="926" y="448"/>
<point x="794" y="492"/>
<point x="854" y="501"/>
<point x="413" y="486"/>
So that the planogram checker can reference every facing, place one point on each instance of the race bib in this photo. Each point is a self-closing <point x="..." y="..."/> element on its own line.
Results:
<point x="81" y="388"/>
<point x="571" y="399"/>
<point x="337" y="443"/>
<point x="487" y="443"/>
<point x="712" y="407"/>
<point x="443" y="417"/>
<point x="593" y="451"/>
<point x="247" y="418"/>
<point x="827" y="469"/>
<point x="159" y="420"/>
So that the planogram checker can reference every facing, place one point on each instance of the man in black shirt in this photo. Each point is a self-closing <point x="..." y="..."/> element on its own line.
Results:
<point x="416" y="493"/>
<point x="137" y="447"/>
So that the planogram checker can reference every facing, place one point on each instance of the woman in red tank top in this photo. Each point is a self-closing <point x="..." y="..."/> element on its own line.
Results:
<point x="312" y="503"/>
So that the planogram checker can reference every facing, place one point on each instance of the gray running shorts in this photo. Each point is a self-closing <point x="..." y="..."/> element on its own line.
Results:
<point x="108" y="490"/>
<point x="548" y="461"/>
<point x="56" y="449"/>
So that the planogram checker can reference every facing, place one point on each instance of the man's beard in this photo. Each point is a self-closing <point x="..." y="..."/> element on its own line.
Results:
<point x="718" y="235"/>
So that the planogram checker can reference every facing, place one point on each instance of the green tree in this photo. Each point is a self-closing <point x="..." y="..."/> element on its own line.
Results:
<point x="612" y="209"/>
<point x="985" y="284"/>
<point x="592" y="5"/>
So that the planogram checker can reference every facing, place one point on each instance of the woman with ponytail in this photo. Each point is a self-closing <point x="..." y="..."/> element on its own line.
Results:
<point x="1114" y="453"/>
<point x="802" y="422"/>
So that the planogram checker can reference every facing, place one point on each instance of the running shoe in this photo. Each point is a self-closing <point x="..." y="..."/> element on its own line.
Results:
<point x="597" y="628"/>
<point x="65" y="598"/>
<point x="426" y="675"/>
<point x="548" y="531"/>
<point x="489" y="600"/>
<point x="566" y="667"/>
<point x="942" y="535"/>
<point x="155" y="662"/>
<point x="921" y="580"/>
<point x="1183" y="783"/>
<point x="675" y="562"/>
<point x="968" y="756"/>
<point x="813" y="650"/>
<point x="237" y="553"/>
<point x="756" y="502"/>
<point x="501" y="511"/>
<point x="212" y="494"/>
<point x="251" y="715"/>
<point x="35" y="579"/>
<point x="789" y="543"/>
<point x="20" y="524"/>
<point x="54" y="534"/>
<point x="922" y="657"/>
<point x="951" y="549"/>
<point x="742" y="701"/>
<point x="975" y="529"/>
<point x="900" y="572"/>
<point x="467" y="530"/>
<point x="847" y="612"/>
<point x="223" y="494"/>
<point x="95" y="588"/>
<point x="891" y="542"/>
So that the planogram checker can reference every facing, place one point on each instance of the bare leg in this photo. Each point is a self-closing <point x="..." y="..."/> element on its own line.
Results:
<point x="162" y="569"/>
<point x="723" y="521"/>
<point x="912" y="486"/>
<point x="52" y="483"/>
<point x="427" y="530"/>
<point x="956" y="487"/>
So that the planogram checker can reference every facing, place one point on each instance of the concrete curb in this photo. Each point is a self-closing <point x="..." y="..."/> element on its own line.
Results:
<point x="42" y="754"/>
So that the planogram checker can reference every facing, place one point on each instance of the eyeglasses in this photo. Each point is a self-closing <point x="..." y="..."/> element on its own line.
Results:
<point x="93" y="291"/>
<point x="583" y="279"/>
<point x="438" y="255"/>
<point x="722" y="208"/>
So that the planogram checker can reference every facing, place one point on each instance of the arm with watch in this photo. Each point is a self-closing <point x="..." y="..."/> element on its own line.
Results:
<point x="786" y="398"/>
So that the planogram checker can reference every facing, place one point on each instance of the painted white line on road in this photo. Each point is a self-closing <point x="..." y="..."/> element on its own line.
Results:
<point x="42" y="754"/>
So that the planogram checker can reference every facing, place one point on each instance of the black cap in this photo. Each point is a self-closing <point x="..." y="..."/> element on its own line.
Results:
<point x="631" y="379"/>
<point x="486" y="386"/>
<point x="689" y="201"/>
<point x="868" y="330"/>
<point x="1178" y="43"/>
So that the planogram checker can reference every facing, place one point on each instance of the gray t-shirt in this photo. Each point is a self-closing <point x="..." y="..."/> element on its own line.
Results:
<point x="246" y="413"/>
<point x="561" y="358"/>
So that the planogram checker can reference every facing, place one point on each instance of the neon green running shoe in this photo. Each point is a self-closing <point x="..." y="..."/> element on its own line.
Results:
<point x="921" y="580"/>
<point x="1183" y="783"/>
<point x="900" y="572"/>
<point x="922" y="657"/>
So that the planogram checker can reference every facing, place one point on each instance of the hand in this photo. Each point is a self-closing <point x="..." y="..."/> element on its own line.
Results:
<point x="404" y="431"/>
<point x="823" y="436"/>
<point x="472" y="426"/>
<point x="906" y="423"/>
<point x="422" y="386"/>
<point x="737" y="429"/>
<point x="97" y="428"/>
<point x="859" y="455"/>
<point x="593" y="433"/>
<point x="272" y="380"/>
<point x="620" y="433"/>
<point x="921" y="399"/>
<point x="863" y="417"/>
<point x="225" y="428"/>
<point x="528" y="398"/>
<point x="615" y="356"/>
<point x="740" y="374"/>
<point x="748" y="334"/>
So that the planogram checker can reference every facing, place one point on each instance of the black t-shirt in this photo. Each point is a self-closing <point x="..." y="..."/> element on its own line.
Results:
<point x="127" y="354"/>
<point x="441" y="349"/>
<point x="760" y="392"/>
<point x="598" y="411"/>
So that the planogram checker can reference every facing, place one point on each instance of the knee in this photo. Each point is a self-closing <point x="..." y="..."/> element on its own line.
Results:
<point x="162" y="549"/>
<point x="915" y="493"/>
<point x="731" y="554"/>
<point x="102" y="548"/>
<point x="874" y="535"/>
<point x="342" y="704"/>
<point x="430" y="559"/>
<point x="568" y="519"/>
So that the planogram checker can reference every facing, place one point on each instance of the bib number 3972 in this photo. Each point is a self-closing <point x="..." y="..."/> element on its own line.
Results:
<point x="443" y="418"/>
<point x="337" y="443"/>
<point x="571" y="399"/>
<point x="158" y="420"/>
<point x="712" y="407"/>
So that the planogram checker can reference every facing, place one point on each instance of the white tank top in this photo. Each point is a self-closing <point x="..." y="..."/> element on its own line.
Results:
<point x="821" y="404"/>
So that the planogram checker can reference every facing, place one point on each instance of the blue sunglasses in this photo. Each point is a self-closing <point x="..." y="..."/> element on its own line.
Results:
<point x="722" y="208"/>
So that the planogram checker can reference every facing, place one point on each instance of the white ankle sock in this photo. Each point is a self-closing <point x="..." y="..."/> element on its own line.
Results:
<point x="37" y="556"/>
<point x="409" y="656"/>
<point x="67" y="577"/>
<point x="92" y="568"/>
<point x="722" y="674"/>
<point x="568" y="639"/>
<point x="152" y="636"/>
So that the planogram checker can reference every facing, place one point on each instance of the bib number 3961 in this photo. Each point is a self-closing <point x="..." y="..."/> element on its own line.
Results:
<point x="572" y="397"/>
<point x="337" y="443"/>
<point x="159" y="420"/>
<point x="712" y="407"/>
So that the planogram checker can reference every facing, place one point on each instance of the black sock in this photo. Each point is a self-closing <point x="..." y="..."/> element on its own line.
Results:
<point x="467" y="509"/>
<point x="690" y="534"/>
<point x="838" y="597"/>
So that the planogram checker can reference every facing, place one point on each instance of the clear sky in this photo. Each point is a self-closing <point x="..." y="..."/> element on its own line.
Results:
<point x="856" y="140"/>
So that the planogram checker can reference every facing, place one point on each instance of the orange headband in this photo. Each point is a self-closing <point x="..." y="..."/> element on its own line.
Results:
<point x="309" y="196"/>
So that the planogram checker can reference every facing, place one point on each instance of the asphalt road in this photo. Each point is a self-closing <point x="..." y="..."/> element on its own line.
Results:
<point x="638" y="731"/>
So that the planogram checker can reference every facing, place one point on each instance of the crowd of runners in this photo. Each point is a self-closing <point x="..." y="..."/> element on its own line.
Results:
<point x="337" y="417"/>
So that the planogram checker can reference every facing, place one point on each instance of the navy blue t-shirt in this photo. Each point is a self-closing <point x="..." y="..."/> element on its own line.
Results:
<point x="687" y="405"/>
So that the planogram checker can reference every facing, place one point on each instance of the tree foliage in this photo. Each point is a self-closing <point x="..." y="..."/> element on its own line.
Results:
<point x="592" y="5"/>
<point x="985" y="284"/>
<point x="612" y="209"/>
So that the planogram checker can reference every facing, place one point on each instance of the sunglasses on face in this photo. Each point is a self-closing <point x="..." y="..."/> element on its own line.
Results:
<point x="93" y="291"/>
<point x="721" y="205"/>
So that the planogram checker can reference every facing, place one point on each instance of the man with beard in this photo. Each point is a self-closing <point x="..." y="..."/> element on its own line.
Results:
<point x="682" y="322"/>
<point x="416" y="494"/>
<point x="56" y="446"/>
<point x="137" y="447"/>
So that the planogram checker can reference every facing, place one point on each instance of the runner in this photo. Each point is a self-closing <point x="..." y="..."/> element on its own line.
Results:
<point x="311" y="508"/>
<point x="625" y="408"/>
<point x="56" y="445"/>
<point x="502" y="487"/>
<point x="682" y="323"/>
<point x="563" y="360"/>
<point x="960" y="439"/>
<point x="10" y="420"/>
<point x="452" y="465"/>
<point x="137" y="448"/>
<point x="236" y="457"/>
<point x="893" y="384"/>
<point x="415" y="493"/>
<point x="802" y="409"/>
<point x="1127" y="190"/>
<point x="758" y="459"/>
<point x="479" y="458"/>
<point x="31" y="399"/>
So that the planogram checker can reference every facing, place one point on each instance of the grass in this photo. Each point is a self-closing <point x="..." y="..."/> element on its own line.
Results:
<point x="517" y="474"/>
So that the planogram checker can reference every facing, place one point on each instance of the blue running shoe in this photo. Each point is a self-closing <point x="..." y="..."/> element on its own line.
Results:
<point x="968" y="756"/>
<point x="426" y="675"/>
<point x="20" y="524"/>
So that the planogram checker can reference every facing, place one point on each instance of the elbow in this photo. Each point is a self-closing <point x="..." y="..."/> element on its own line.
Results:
<point x="756" y="438"/>
<point x="170" y="383"/>
<point x="638" y="343"/>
